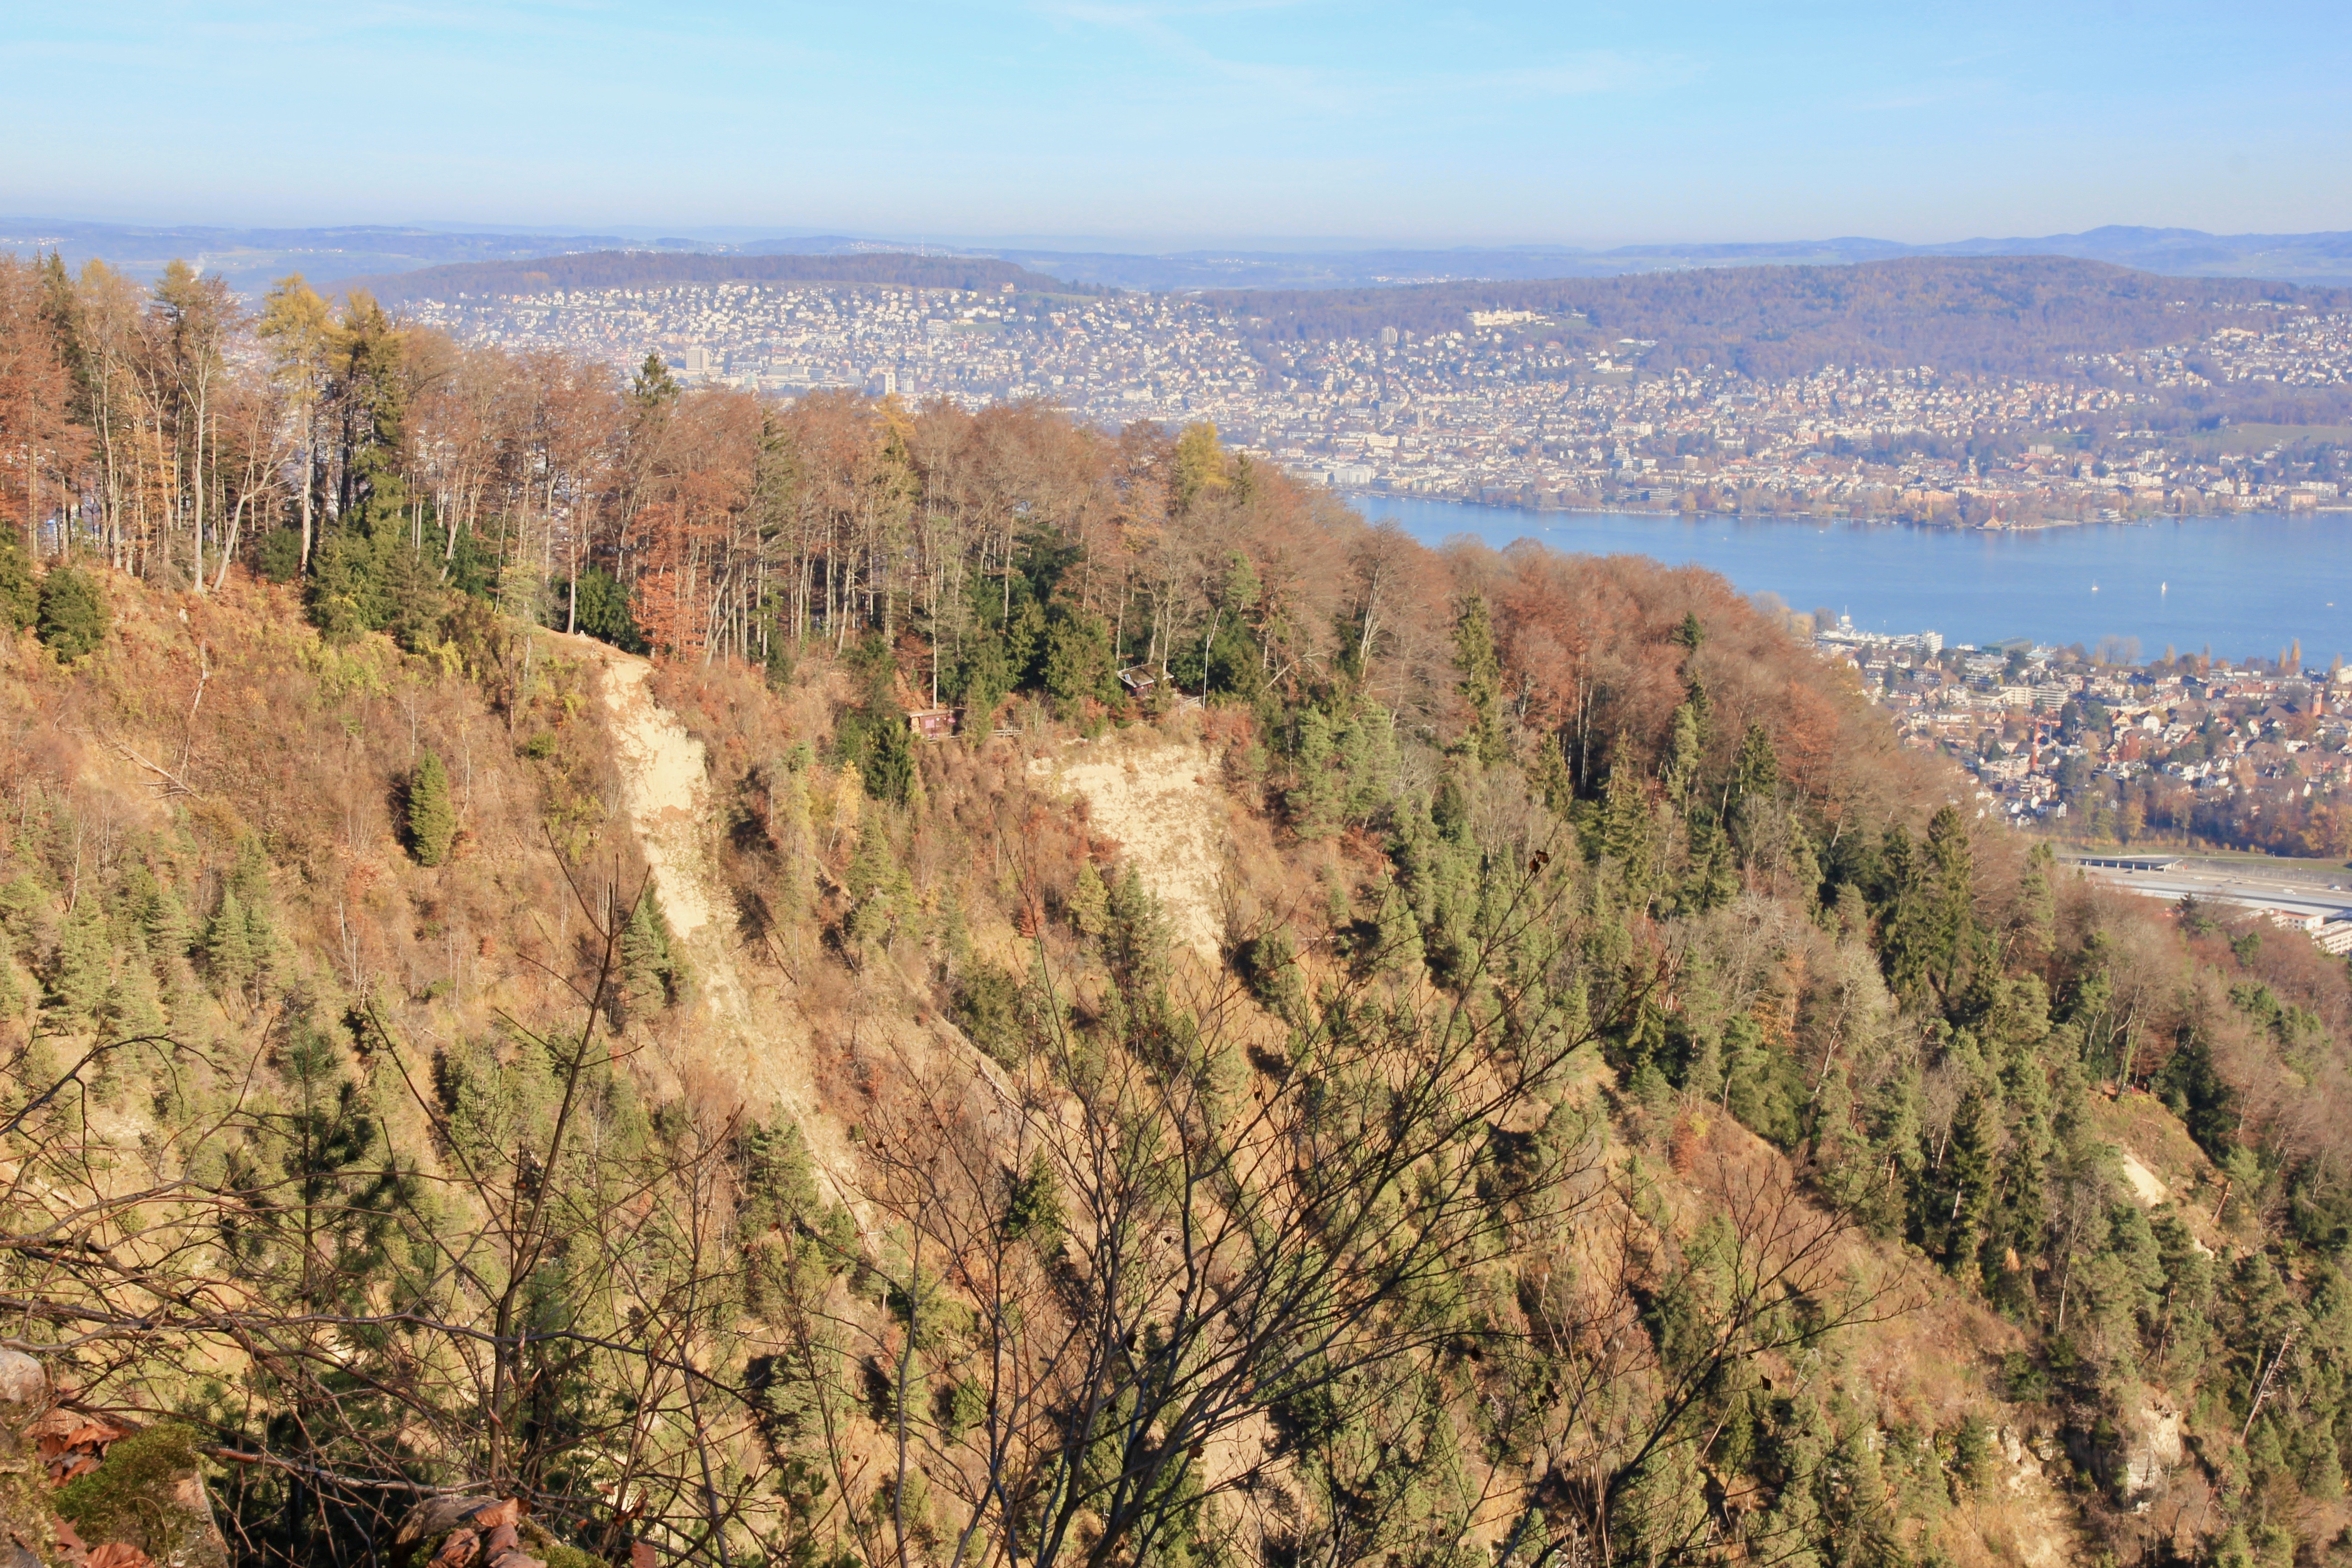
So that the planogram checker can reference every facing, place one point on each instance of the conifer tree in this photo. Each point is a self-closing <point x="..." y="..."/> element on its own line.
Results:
<point x="1482" y="676"/>
<point x="82" y="971"/>
<point x="1680" y="771"/>
<point x="1624" y="825"/>
<point x="879" y="883"/>
<point x="1079" y="657"/>
<point x="1135" y="947"/>
<point x="432" y="819"/>
<point x="163" y="920"/>
<point x="1089" y="901"/>
<point x="228" y="945"/>
<point x="1315" y="800"/>
<point x="1758" y="769"/>
<point x="982" y="682"/>
<point x="653" y="386"/>
<point x="133" y="1008"/>
<point x="649" y="969"/>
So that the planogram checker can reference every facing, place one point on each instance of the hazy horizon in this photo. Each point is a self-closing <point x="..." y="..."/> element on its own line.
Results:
<point x="741" y="235"/>
<point x="1229" y="122"/>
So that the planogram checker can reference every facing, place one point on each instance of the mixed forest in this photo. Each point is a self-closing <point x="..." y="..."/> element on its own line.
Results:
<point x="1613" y="1106"/>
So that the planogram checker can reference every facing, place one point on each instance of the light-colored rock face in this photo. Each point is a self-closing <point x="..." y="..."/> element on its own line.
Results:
<point x="2148" y="1190"/>
<point x="23" y="1383"/>
<point x="2152" y="1451"/>
<point x="756" y="1046"/>
<point x="2146" y="1184"/>
<point x="1162" y="804"/>
<point x="664" y="777"/>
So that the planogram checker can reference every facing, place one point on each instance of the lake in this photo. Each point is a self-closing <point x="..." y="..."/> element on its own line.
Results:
<point x="2242" y="583"/>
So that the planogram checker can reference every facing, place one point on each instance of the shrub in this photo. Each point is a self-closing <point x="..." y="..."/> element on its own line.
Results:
<point x="992" y="1008"/>
<point x="73" y="617"/>
<point x="20" y="596"/>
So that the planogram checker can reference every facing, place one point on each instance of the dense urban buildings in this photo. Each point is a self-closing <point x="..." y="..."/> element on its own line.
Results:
<point x="1501" y="408"/>
<point x="2251" y="754"/>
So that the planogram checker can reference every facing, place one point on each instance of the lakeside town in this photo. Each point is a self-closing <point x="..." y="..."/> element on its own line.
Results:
<point x="1501" y="409"/>
<point x="2183" y="750"/>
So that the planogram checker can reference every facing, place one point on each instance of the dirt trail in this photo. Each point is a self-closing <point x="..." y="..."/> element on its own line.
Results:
<point x="1162" y="805"/>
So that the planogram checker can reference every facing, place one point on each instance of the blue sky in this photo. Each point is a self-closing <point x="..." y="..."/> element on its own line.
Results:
<point x="1226" y="121"/>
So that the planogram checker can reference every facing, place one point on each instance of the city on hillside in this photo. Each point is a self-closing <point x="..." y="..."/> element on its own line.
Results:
<point x="1500" y="409"/>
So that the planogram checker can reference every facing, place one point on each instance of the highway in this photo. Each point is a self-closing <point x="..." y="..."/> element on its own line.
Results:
<point x="2300" y="898"/>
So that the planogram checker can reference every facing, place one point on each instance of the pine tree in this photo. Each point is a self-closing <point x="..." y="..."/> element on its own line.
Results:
<point x="333" y="1238"/>
<point x="1482" y="678"/>
<point x="228" y="945"/>
<point x="1625" y="828"/>
<point x="164" y="923"/>
<point x="1089" y="901"/>
<point x="347" y="592"/>
<point x="653" y="386"/>
<point x="1952" y="912"/>
<point x="1315" y="800"/>
<point x="983" y="681"/>
<point x="1364" y="748"/>
<point x="432" y="819"/>
<point x="1137" y="946"/>
<point x="1754" y="795"/>
<point x="886" y="761"/>
<point x="82" y="973"/>
<point x="133" y="1008"/>
<point x="648" y="970"/>
<point x="1683" y="754"/>
<point x="1398" y="946"/>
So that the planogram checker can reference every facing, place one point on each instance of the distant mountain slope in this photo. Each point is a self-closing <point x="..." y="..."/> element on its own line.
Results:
<point x="2325" y="257"/>
<point x="252" y="259"/>
<point x="331" y="256"/>
<point x="649" y="268"/>
<point x="2008" y="314"/>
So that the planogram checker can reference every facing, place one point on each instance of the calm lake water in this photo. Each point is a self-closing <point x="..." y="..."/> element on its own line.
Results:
<point x="2244" y="584"/>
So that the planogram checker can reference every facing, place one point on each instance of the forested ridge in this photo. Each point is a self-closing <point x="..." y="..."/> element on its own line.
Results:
<point x="1614" y="1106"/>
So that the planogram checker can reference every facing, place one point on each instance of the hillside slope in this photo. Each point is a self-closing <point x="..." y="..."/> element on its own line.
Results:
<point x="1521" y="1066"/>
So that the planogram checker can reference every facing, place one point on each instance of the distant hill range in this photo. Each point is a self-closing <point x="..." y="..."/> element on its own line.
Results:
<point x="252" y="259"/>
<point x="334" y="257"/>
<point x="2002" y="315"/>
<point x="2173" y="252"/>
<point x="645" y="269"/>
